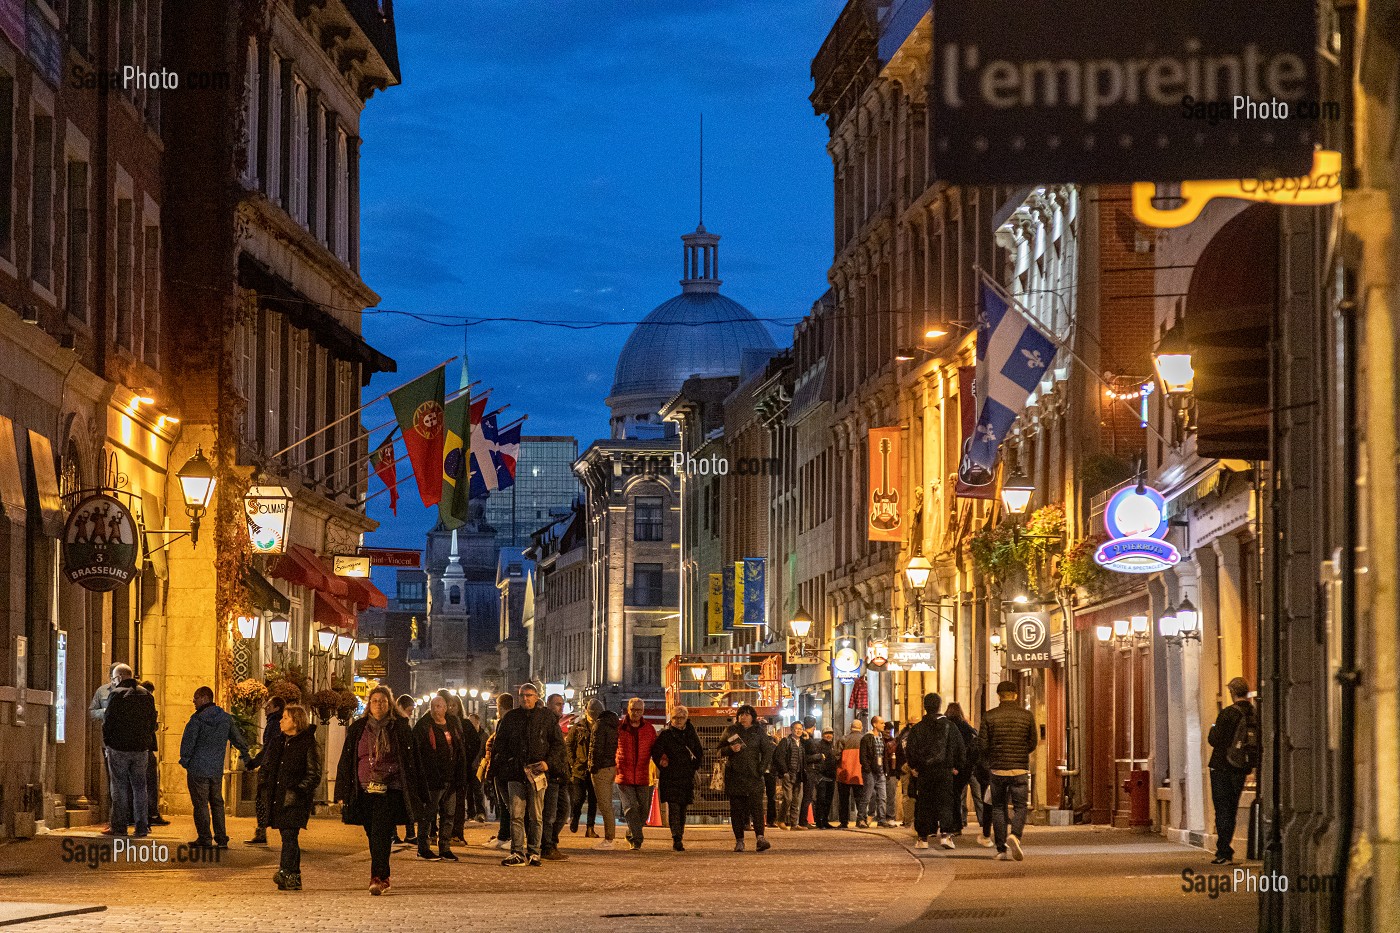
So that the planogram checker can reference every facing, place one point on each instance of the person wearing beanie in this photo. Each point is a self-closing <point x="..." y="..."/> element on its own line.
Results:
<point x="602" y="724"/>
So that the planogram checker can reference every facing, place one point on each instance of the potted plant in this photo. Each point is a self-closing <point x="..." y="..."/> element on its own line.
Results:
<point x="324" y="703"/>
<point x="1079" y="571"/>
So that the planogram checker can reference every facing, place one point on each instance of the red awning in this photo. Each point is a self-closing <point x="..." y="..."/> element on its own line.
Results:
<point x="300" y="565"/>
<point x="364" y="593"/>
<point x="332" y="612"/>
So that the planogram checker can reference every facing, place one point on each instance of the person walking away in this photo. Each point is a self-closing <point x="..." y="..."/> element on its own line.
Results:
<point x="153" y="770"/>
<point x="379" y="780"/>
<point x="128" y="738"/>
<point x="747" y="751"/>
<point x="936" y="757"/>
<point x="265" y="761"/>
<point x="292" y="791"/>
<point x="476" y="745"/>
<point x="849" y="777"/>
<point x="814" y="759"/>
<point x="872" y="764"/>
<point x="556" y="792"/>
<point x="826" y="785"/>
<point x="1234" y="752"/>
<point x="438" y="737"/>
<point x="789" y="763"/>
<point x="527" y="739"/>
<point x="1008" y="739"/>
<point x="635" y="737"/>
<point x="578" y="749"/>
<point x="603" y="766"/>
<point x="203" y="748"/>
<point x="891" y="778"/>
<point x="968" y="777"/>
<point x="491" y="776"/>
<point x="678" y="754"/>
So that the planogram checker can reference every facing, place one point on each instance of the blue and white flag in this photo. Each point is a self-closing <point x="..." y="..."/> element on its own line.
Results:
<point x="494" y="453"/>
<point x="1012" y="357"/>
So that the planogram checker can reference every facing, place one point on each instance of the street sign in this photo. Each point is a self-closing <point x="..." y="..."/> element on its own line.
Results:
<point x="1136" y="522"/>
<point x="1029" y="639"/>
<point x="393" y="557"/>
<point x="1139" y="89"/>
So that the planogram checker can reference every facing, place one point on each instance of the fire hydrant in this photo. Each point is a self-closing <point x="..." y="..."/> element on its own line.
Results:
<point x="1137" y="788"/>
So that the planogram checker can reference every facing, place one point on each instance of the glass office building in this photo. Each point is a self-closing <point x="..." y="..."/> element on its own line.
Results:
<point x="545" y="487"/>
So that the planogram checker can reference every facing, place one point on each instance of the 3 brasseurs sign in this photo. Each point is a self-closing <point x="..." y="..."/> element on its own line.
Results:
<point x="1060" y="91"/>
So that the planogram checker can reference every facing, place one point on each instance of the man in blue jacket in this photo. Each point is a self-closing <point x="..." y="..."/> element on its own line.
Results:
<point x="202" y="750"/>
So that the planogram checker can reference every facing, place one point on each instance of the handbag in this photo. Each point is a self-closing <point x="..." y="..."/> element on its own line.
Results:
<point x="717" y="777"/>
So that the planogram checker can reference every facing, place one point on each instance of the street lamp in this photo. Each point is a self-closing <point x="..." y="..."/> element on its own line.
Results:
<point x="800" y="623"/>
<point x="325" y="638"/>
<point x="279" y="628"/>
<point x="361" y="651"/>
<point x="1121" y="627"/>
<point x="569" y="693"/>
<point x="1169" y="628"/>
<point x="1016" y="492"/>
<point x="996" y="640"/>
<point x="1140" y="625"/>
<point x="343" y="645"/>
<point x="917" y="572"/>
<point x="699" y="672"/>
<point x="1172" y="359"/>
<point x="473" y="692"/>
<point x="248" y="627"/>
<point x="1103" y="633"/>
<point x="1188" y="620"/>
<point x="197" y="487"/>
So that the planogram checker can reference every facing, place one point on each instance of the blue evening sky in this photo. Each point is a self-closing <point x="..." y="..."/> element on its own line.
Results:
<point x="540" y="160"/>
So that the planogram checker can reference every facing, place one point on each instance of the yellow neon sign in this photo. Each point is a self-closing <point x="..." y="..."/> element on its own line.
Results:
<point x="1323" y="185"/>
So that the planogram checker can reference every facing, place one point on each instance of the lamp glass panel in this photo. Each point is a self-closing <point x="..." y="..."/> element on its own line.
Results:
<point x="1103" y="632"/>
<point x="1141" y="625"/>
<point x="325" y="638"/>
<point x="1168" y="626"/>
<point x="1121" y="627"/>
<point x="1016" y="498"/>
<point x="343" y="643"/>
<point x="1188" y="619"/>
<point x="1176" y="372"/>
<point x="248" y="627"/>
<point x="361" y="650"/>
<point x="196" y="490"/>
<point x="279" y="628"/>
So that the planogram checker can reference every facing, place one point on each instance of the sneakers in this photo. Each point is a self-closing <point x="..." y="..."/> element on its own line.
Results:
<point x="921" y="844"/>
<point x="553" y="855"/>
<point x="535" y="861"/>
<point x="605" y="844"/>
<point x="763" y="844"/>
<point x="739" y="846"/>
<point x="1003" y="857"/>
<point x="886" y="824"/>
<point x="428" y="855"/>
<point x="448" y="854"/>
<point x="946" y="842"/>
<point x="377" y="886"/>
<point x="1014" y="844"/>
<point x="292" y="882"/>
<point x="499" y="844"/>
<point x="514" y="860"/>
<point x="984" y="841"/>
<point x="862" y="824"/>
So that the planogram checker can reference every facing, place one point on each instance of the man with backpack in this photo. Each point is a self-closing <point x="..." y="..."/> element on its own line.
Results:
<point x="935" y="756"/>
<point x="1235" y="748"/>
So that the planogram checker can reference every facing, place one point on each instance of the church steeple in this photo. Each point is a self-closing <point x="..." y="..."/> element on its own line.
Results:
<point x="701" y="273"/>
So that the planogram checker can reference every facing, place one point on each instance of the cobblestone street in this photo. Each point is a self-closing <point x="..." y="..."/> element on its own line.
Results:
<point x="1090" y="879"/>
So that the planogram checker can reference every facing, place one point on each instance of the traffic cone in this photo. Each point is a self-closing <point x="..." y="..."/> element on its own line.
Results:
<point x="654" y="817"/>
<point x="811" y="819"/>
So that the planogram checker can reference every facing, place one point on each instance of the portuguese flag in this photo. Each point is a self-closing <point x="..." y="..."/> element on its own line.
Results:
<point x="383" y="465"/>
<point x="419" y="410"/>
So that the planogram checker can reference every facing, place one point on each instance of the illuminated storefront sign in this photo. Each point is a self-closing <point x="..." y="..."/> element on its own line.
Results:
<point x="1323" y="185"/>
<point x="99" y="544"/>
<point x="1029" y="639"/>
<point x="846" y="663"/>
<point x="913" y="656"/>
<point x="1136" y="522"/>
<point x="269" y="511"/>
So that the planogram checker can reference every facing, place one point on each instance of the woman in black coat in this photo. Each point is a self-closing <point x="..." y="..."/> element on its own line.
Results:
<point x="380" y="781"/>
<point x="266" y="763"/>
<point x="292" y="790"/>
<point x="747" y="750"/>
<point x="677" y="752"/>
<point x="442" y="751"/>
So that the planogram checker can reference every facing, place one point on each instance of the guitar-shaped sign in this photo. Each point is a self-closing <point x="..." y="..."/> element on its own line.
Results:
<point x="884" y="500"/>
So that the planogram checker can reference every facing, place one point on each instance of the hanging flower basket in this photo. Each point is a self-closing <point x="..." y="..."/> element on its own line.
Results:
<point x="1078" y="569"/>
<point x="324" y="704"/>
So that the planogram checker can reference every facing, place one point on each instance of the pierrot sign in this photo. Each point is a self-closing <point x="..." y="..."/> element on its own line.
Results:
<point x="1136" y="522"/>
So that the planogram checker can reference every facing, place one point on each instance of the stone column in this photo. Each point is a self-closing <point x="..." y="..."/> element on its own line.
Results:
<point x="1196" y="705"/>
<point x="1228" y="583"/>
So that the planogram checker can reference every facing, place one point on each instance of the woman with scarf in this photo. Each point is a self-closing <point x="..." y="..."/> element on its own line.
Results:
<point x="438" y="736"/>
<point x="380" y="781"/>
<point x="296" y="775"/>
<point x="677" y="753"/>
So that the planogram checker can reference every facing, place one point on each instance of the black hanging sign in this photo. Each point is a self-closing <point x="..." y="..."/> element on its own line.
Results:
<point x="1028" y="639"/>
<point x="99" y="544"/>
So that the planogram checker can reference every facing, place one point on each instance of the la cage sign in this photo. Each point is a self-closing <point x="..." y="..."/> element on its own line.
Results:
<point x="1136" y="522"/>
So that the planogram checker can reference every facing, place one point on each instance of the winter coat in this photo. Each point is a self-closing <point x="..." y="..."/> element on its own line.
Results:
<point x="604" y="742"/>
<point x="295" y="781"/>
<point x="1222" y="734"/>
<point x="972" y="752"/>
<point x="558" y="758"/>
<point x="266" y="763"/>
<point x="411" y="805"/>
<point x="854" y="768"/>
<point x="471" y="743"/>
<point x="872" y="754"/>
<point x="1008" y="737"/>
<point x="935" y="748"/>
<point x="743" y="769"/>
<point x="451" y="774"/>
<point x="526" y="737"/>
<point x="789" y="759"/>
<point x="578" y="749"/>
<point x="129" y="724"/>
<point x="202" y="747"/>
<point x="815" y="754"/>
<point x="634" y="752"/>
<point x="683" y="755"/>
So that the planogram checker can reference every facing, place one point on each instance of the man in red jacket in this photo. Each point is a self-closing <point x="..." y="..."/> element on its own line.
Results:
<point x="634" y="740"/>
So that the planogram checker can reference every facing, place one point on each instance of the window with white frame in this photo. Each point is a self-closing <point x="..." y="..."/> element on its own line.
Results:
<point x="298" y="348"/>
<point x="253" y="107"/>
<point x="246" y="350"/>
<point x="345" y="402"/>
<point x="315" y="172"/>
<point x="322" y="442"/>
<point x="330" y="182"/>
<point x="270" y="369"/>
<point x="151" y="56"/>
<point x="78" y="269"/>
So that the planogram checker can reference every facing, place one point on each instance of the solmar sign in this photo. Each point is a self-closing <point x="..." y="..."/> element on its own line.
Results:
<point x="1063" y="91"/>
<point x="1136" y="522"/>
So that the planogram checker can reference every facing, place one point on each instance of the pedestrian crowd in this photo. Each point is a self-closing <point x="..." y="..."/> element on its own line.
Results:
<point x="543" y="770"/>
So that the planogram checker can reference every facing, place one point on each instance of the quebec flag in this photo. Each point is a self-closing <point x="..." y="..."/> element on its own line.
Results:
<point x="493" y="457"/>
<point x="1012" y="357"/>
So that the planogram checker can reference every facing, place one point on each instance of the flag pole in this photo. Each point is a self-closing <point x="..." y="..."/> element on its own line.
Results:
<point x="1054" y="338"/>
<point x="380" y="397"/>
<point x="452" y="396"/>
<point x="521" y="420"/>
<point x="369" y="456"/>
<point x="381" y="492"/>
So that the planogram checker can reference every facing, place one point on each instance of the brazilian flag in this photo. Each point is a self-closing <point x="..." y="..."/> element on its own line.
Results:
<point x="456" y="457"/>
